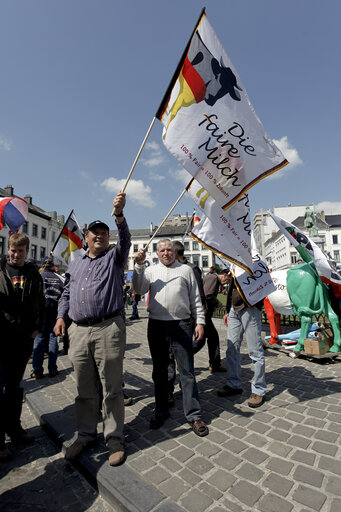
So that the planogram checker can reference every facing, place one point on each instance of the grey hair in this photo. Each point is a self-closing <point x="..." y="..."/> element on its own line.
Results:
<point x="165" y="240"/>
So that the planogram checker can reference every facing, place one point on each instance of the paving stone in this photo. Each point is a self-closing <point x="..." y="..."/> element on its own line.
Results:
<point x="234" y="446"/>
<point x="174" y="487"/>
<point x="170" y="464"/>
<point x="143" y="463"/>
<point x="227" y="460"/>
<point x="189" y="476"/>
<point x="182" y="454"/>
<point x="309" y="497"/>
<point x="279" y="435"/>
<point x="238" y="432"/>
<point x="157" y="475"/>
<point x="255" y="456"/>
<point x="281" y="466"/>
<point x="330" y="465"/>
<point x="247" y="493"/>
<point x="278" y="484"/>
<point x="272" y="503"/>
<point x="314" y="422"/>
<point x="308" y="476"/>
<point x="196" y="501"/>
<point x="211" y="491"/>
<point x="325" y="448"/>
<point x="329" y="437"/>
<point x="303" y="430"/>
<point x="232" y="506"/>
<point x="218" y="437"/>
<point x="208" y="449"/>
<point x="222" y="480"/>
<point x="335" y="506"/>
<point x="282" y="424"/>
<point x="256" y="440"/>
<point x="280" y="449"/>
<point x="200" y="465"/>
<point x="299" y="441"/>
<point x="304" y="456"/>
<point x="258" y="426"/>
<point x="333" y="485"/>
<point x="250" y="472"/>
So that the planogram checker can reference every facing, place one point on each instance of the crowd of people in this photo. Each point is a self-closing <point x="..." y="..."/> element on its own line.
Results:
<point x="86" y="308"/>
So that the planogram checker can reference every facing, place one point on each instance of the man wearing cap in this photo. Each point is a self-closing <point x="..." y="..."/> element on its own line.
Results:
<point x="93" y="300"/>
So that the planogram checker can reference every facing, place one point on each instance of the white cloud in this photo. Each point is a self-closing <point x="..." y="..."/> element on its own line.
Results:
<point x="180" y="175"/>
<point x="328" y="207"/>
<point x="290" y="153"/>
<point x="156" y="177"/>
<point x="136" y="190"/>
<point x="155" y="156"/>
<point x="5" y="144"/>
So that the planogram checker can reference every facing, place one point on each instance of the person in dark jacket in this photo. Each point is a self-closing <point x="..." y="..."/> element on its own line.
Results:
<point x="53" y="288"/>
<point x="21" y="317"/>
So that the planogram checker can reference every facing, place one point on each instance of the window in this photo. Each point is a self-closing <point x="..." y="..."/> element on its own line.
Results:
<point x="195" y="246"/>
<point x="154" y="247"/>
<point x="34" y="252"/>
<point x="136" y="247"/>
<point x="293" y="258"/>
<point x="25" y="227"/>
<point x="196" y="259"/>
<point x="53" y="236"/>
<point x="155" y="260"/>
<point x="2" y="245"/>
<point x="204" y="261"/>
<point x="337" y="256"/>
<point x="186" y="246"/>
<point x="34" y="230"/>
<point x="43" y="233"/>
<point x="335" y="239"/>
<point x="42" y="253"/>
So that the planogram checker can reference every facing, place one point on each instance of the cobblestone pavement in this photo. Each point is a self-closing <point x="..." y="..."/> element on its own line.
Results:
<point x="39" y="479"/>
<point x="284" y="456"/>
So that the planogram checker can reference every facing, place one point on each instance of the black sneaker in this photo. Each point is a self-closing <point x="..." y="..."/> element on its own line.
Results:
<point x="157" y="421"/>
<point x="21" y="436"/>
<point x="228" y="391"/>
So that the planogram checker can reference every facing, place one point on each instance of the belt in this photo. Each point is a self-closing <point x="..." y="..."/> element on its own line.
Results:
<point x="94" y="321"/>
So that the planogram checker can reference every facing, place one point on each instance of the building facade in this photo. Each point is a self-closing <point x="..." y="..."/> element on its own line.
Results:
<point x="41" y="227"/>
<point x="194" y="251"/>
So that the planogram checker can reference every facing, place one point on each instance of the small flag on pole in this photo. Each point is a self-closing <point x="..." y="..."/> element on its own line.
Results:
<point x="69" y="244"/>
<point x="13" y="212"/>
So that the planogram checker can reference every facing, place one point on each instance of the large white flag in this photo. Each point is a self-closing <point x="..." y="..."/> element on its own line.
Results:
<point x="210" y="125"/>
<point x="309" y="251"/>
<point x="69" y="244"/>
<point x="227" y="233"/>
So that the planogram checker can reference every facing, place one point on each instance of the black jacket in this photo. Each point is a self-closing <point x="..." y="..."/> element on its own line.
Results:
<point x="21" y="317"/>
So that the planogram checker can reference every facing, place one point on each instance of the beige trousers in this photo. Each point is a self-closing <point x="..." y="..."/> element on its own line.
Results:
<point x="97" y="352"/>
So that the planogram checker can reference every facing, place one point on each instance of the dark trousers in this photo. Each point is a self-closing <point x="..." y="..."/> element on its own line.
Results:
<point x="212" y="336"/>
<point x="14" y="356"/>
<point x="177" y="335"/>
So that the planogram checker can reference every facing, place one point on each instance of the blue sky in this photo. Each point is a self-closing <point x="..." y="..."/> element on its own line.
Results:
<point x="81" y="81"/>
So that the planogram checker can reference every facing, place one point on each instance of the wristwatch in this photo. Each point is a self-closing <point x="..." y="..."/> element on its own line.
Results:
<point x="119" y="214"/>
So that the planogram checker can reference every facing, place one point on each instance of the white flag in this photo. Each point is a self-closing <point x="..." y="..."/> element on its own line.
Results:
<point x="210" y="125"/>
<point x="259" y="285"/>
<point x="69" y="244"/>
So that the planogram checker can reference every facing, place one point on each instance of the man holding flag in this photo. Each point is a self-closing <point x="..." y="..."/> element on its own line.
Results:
<point x="93" y="300"/>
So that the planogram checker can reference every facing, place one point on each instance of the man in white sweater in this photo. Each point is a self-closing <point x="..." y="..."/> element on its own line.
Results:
<point x="174" y="303"/>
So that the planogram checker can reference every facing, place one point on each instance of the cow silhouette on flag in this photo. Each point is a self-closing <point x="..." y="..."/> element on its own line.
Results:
<point x="203" y="78"/>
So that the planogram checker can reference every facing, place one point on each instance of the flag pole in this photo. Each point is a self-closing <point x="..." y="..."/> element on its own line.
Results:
<point x="60" y="234"/>
<point x="177" y="71"/>
<point x="164" y="220"/>
<point x="137" y="156"/>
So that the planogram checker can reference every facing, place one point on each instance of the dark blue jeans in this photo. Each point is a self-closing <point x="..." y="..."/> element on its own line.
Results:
<point x="177" y="335"/>
<point x="46" y="338"/>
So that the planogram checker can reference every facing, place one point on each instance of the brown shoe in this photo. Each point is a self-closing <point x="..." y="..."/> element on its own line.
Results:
<point x="117" y="455"/>
<point x="217" y="369"/>
<point x="199" y="427"/>
<point x="255" y="400"/>
<point x="74" y="449"/>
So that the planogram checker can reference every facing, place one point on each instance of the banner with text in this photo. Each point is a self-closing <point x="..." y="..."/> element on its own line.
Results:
<point x="227" y="233"/>
<point x="210" y="125"/>
<point x="254" y="288"/>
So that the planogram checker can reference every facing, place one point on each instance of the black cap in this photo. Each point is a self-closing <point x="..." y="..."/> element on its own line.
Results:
<point x="224" y="271"/>
<point x="98" y="224"/>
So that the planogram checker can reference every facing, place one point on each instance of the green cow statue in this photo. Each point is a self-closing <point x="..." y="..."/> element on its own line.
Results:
<point x="308" y="297"/>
